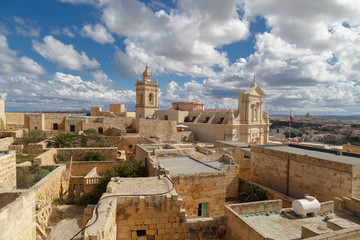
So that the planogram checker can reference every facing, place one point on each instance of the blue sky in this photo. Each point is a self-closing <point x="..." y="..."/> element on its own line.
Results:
<point x="74" y="54"/>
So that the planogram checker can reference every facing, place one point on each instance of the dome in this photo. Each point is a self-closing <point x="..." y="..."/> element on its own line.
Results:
<point x="147" y="74"/>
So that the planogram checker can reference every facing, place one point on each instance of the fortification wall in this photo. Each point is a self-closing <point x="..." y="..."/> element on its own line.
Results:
<point x="155" y="128"/>
<point x="46" y="158"/>
<point x="81" y="168"/>
<point x="5" y="143"/>
<point x="17" y="219"/>
<point x="15" y="118"/>
<point x="8" y="171"/>
<point x="307" y="175"/>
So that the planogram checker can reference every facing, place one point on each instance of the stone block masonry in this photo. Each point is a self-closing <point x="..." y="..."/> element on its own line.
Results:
<point x="201" y="188"/>
<point x="7" y="170"/>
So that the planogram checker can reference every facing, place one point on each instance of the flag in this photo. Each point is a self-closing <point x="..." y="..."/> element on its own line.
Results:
<point x="291" y="117"/>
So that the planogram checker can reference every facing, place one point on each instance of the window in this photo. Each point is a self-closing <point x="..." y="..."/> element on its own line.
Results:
<point x="55" y="126"/>
<point x="100" y="130"/>
<point x="130" y="146"/>
<point x="166" y="117"/>
<point x="72" y="128"/>
<point x="221" y="120"/>
<point x="151" y="98"/>
<point x="141" y="233"/>
<point x="186" y="119"/>
<point x="203" y="210"/>
<point x="35" y="127"/>
<point x="194" y="117"/>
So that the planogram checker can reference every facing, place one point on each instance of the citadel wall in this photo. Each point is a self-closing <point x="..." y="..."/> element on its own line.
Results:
<point x="307" y="175"/>
<point x="7" y="171"/>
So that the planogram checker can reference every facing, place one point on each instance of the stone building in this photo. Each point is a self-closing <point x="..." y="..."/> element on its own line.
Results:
<point x="247" y="124"/>
<point x="146" y="95"/>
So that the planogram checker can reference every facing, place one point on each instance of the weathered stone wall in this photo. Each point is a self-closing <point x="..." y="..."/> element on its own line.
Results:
<point x="155" y="128"/>
<point x="51" y="118"/>
<point x="321" y="178"/>
<point x="51" y="186"/>
<point x="201" y="188"/>
<point x="5" y="143"/>
<point x="231" y="180"/>
<point x="237" y="228"/>
<point x="185" y="136"/>
<point x="17" y="148"/>
<point x="351" y="148"/>
<point x="206" y="228"/>
<point x="30" y="211"/>
<point x="34" y="121"/>
<point x="270" y="193"/>
<point x="36" y="148"/>
<point x="8" y="171"/>
<point x="110" y="152"/>
<point x="81" y="168"/>
<point x="46" y="158"/>
<point x="14" y="133"/>
<point x="17" y="219"/>
<point x="14" y="118"/>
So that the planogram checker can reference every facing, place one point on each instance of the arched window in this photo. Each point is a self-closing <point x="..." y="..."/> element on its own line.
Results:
<point x="151" y="98"/>
<point x="166" y="117"/>
<point x="194" y="117"/>
<point x="100" y="130"/>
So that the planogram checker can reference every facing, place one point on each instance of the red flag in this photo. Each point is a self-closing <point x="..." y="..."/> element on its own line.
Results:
<point x="291" y="117"/>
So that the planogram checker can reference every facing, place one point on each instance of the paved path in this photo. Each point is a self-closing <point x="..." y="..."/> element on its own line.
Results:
<point x="67" y="224"/>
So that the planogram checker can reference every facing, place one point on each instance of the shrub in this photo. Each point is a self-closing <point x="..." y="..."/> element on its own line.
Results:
<point x="93" y="156"/>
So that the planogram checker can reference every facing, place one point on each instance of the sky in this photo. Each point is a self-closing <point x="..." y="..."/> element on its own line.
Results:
<point x="75" y="54"/>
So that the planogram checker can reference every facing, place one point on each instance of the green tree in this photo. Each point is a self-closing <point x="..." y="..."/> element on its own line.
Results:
<point x="93" y="156"/>
<point x="64" y="140"/>
<point x="131" y="168"/>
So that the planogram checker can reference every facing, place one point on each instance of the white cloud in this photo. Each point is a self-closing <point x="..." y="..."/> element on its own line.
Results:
<point x="64" y="31"/>
<point x="64" y="55"/>
<point x="26" y="27"/>
<point x="98" y="33"/>
<point x="11" y="64"/>
<point x="181" y="41"/>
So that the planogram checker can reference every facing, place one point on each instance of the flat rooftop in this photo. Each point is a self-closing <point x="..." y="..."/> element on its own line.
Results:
<point x="186" y="165"/>
<point x="139" y="186"/>
<point x="278" y="226"/>
<point x="317" y="153"/>
<point x="235" y="143"/>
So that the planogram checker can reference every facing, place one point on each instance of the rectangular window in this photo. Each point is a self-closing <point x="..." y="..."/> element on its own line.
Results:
<point x="72" y="128"/>
<point x="55" y="126"/>
<point x="203" y="210"/>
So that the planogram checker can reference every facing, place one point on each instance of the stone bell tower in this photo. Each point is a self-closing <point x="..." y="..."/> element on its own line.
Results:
<point x="146" y="95"/>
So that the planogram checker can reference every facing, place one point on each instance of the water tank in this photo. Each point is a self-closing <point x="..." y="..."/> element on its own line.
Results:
<point x="304" y="206"/>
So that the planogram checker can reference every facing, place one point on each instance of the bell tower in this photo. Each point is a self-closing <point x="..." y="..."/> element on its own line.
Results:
<point x="146" y="95"/>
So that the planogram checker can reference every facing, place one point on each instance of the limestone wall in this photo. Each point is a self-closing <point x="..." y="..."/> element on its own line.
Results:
<point x="307" y="175"/>
<point x="46" y="158"/>
<point x="207" y="132"/>
<point x="8" y="171"/>
<point x="231" y="180"/>
<point x="201" y="188"/>
<point x="110" y="152"/>
<point x="81" y="168"/>
<point x="351" y="148"/>
<point x="17" y="148"/>
<point x="58" y="118"/>
<point x="237" y="228"/>
<point x="270" y="193"/>
<point x="5" y="142"/>
<point x="27" y="215"/>
<point x="16" y="118"/>
<point x="51" y="186"/>
<point x="17" y="219"/>
<point x="36" y="148"/>
<point x="206" y="228"/>
<point x="155" y="128"/>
